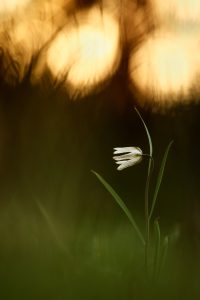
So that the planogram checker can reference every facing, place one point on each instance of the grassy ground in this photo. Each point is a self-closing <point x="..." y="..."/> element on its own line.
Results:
<point x="42" y="257"/>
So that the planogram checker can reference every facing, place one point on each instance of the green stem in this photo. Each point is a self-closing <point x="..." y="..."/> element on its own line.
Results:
<point x="146" y="200"/>
<point x="157" y="250"/>
<point x="164" y="252"/>
<point x="146" y="213"/>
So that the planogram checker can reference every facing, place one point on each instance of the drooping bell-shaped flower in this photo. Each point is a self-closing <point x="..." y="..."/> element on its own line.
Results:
<point x="129" y="156"/>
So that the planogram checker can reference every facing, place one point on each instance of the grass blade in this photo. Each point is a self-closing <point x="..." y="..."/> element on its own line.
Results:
<point x="146" y="195"/>
<point x="148" y="134"/>
<point x="157" y="249"/>
<point x="165" y="247"/>
<point x="123" y="206"/>
<point x="50" y="224"/>
<point x="159" y="179"/>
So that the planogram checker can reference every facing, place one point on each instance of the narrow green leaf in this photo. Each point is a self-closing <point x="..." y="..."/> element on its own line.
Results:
<point x="148" y="134"/>
<point x="46" y="216"/>
<point x="159" y="179"/>
<point x="157" y="249"/>
<point x="50" y="224"/>
<point x="165" y="247"/>
<point x="123" y="206"/>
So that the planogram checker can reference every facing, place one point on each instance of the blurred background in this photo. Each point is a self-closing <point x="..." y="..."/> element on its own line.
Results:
<point x="71" y="73"/>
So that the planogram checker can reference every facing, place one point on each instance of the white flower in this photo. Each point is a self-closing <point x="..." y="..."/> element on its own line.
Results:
<point x="129" y="157"/>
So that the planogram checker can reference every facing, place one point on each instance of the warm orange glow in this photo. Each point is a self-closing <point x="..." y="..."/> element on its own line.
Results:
<point x="183" y="10"/>
<point x="81" y="47"/>
<point x="86" y="53"/>
<point x="25" y="40"/>
<point x="8" y="6"/>
<point x="24" y="34"/>
<point x="165" y="65"/>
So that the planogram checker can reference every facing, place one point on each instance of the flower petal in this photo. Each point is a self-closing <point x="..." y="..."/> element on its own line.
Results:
<point x="133" y="150"/>
<point x="128" y="163"/>
<point x="126" y="156"/>
<point x="121" y="162"/>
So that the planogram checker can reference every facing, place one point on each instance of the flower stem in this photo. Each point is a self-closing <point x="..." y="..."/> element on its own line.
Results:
<point x="147" y="220"/>
<point x="146" y="198"/>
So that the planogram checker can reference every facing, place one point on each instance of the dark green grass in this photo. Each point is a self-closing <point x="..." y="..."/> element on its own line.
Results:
<point x="42" y="257"/>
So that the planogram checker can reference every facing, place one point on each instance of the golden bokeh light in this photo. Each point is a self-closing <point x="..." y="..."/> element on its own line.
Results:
<point x="10" y="6"/>
<point x="165" y="65"/>
<point x="24" y="41"/>
<point x="183" y="10"/>
<point x="87" y="52"/>
<point x="25" y="34"/>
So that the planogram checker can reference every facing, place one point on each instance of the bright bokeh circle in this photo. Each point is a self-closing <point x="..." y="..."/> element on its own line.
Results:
<point x="85" y="53"/>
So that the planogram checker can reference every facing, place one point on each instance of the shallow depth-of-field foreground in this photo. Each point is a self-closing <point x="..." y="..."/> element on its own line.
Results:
<point x="43" y="257"/>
